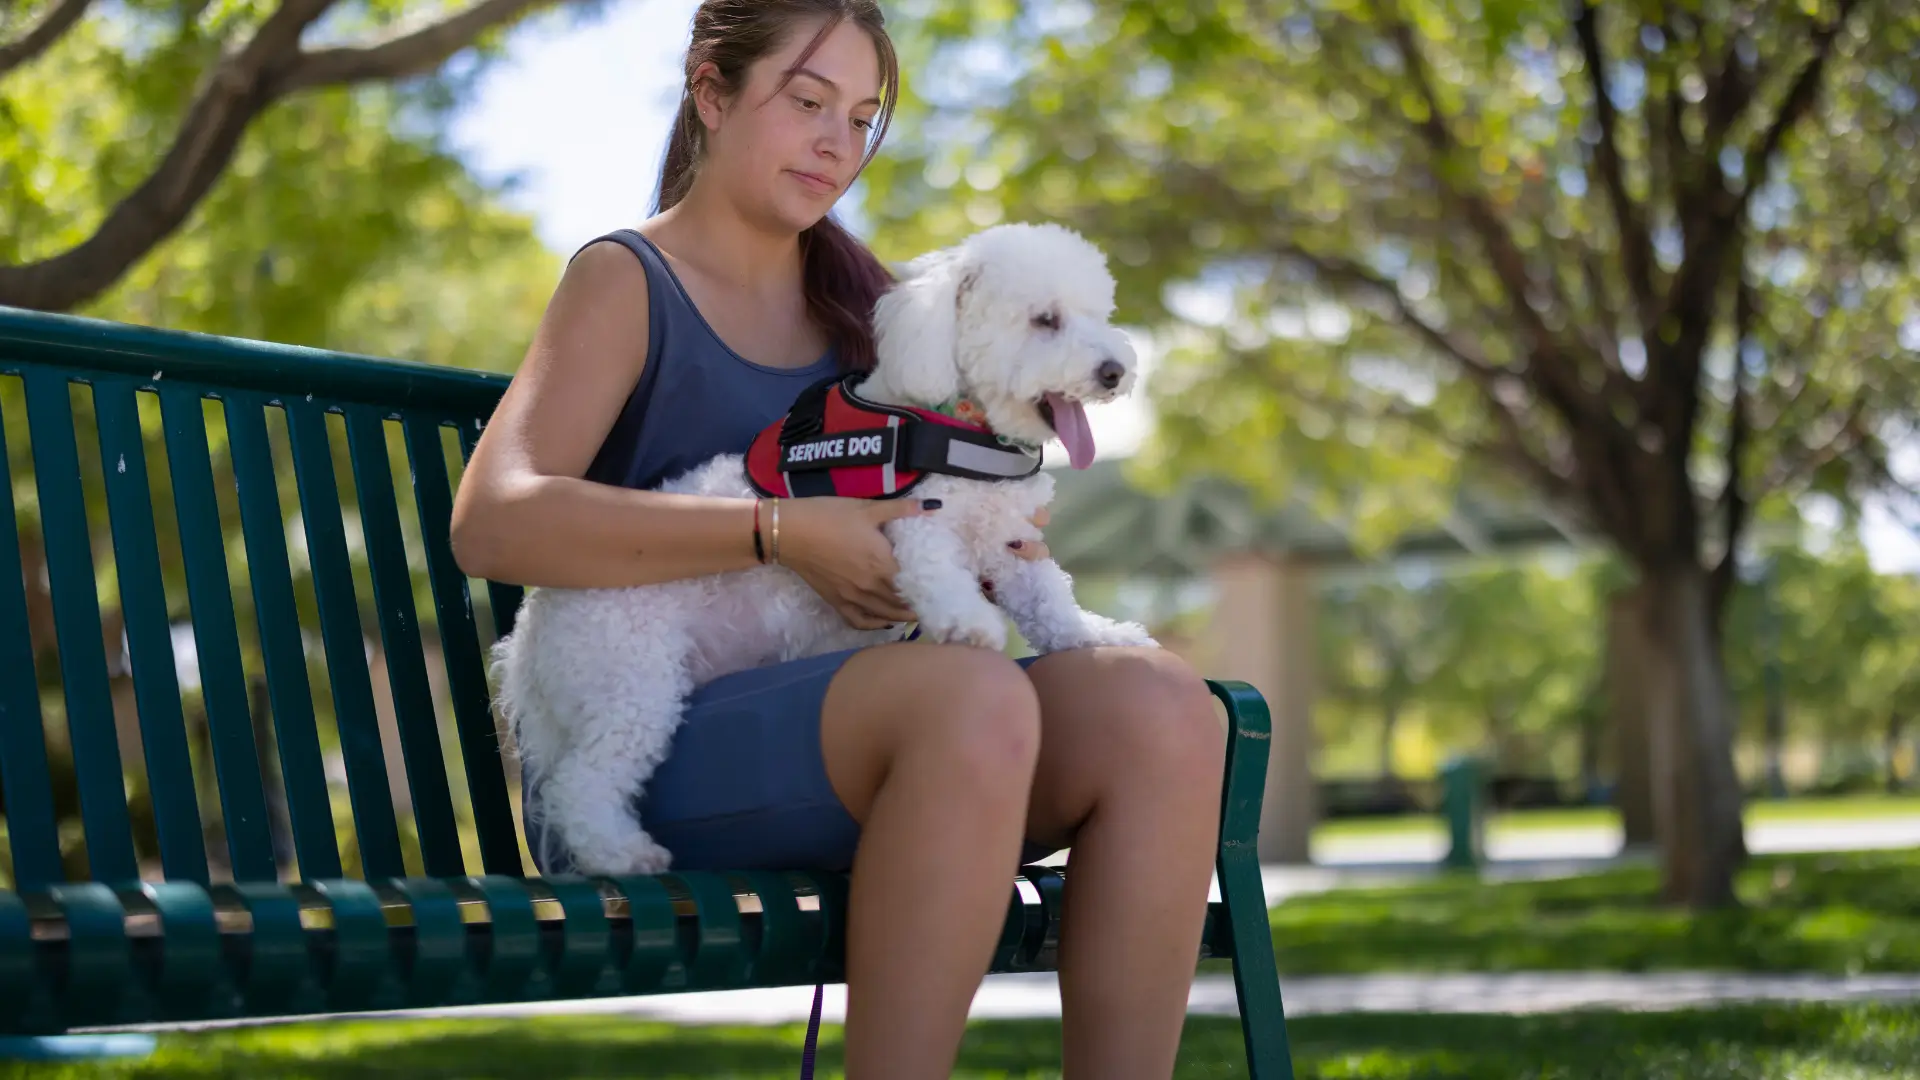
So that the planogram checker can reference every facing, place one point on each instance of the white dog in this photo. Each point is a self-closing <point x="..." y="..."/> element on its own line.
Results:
<point x="592" y="682"/>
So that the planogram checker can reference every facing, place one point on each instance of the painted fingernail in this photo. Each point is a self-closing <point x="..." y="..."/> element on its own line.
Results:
<point x="930" y="504"/>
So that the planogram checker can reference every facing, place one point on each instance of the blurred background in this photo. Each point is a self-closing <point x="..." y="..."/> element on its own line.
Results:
<point x="1529" y="382"/>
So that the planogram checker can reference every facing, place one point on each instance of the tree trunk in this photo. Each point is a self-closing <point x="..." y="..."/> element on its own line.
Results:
<point x="1696" y="790"/>
<point x="1592" y="732"/>
<point x="1627" y="649"/>
<point x="1896" y="726"/>
<point x="1389" y="720"/>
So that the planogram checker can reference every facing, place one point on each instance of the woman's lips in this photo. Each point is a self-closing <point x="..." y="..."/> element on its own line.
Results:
<point x="815" y="182"/>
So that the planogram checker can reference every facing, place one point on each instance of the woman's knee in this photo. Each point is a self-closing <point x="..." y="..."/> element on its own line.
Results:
<point x="972" y="711"/>
<point x="1165" y="721"/>
<point x="980" y="714"/>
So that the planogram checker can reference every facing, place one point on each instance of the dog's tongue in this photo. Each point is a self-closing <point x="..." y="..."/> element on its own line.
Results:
<point x="1070" y="423"/>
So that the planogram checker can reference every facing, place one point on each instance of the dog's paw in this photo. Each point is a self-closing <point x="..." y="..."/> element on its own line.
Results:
<point x="1124" y="635"/>
<point x="1098" y="631"/>
<point x="635" y="854"/>
<point x="984" y="633"/>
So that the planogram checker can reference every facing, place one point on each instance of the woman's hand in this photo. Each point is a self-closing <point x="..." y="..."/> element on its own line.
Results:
<point x="1033" y="550"/>
<point x="836" y="546"/>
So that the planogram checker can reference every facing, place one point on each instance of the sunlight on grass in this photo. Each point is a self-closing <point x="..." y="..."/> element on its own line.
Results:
<point x="1837" y="913"/>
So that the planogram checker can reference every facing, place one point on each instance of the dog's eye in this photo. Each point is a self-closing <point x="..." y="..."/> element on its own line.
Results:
<point x="1047" y="320"/>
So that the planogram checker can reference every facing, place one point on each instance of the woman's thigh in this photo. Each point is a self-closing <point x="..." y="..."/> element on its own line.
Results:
<point x="746" y="782"/>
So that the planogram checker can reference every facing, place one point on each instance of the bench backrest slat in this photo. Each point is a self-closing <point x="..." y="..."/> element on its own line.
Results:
<point x="143" y="608"/>
<point x="25" y="778"/>
<point x="289" y="692"/>
<point x="311" y="584"/>
<point x="76" y="613"/>
<point x="460" y="641"/>
<point x="223" y="681"/>
<point x="399" y="627"/>
<point x="353" y="708"/>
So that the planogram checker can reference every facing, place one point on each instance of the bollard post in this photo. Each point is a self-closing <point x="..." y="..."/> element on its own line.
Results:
<point x="1463" y="805"/>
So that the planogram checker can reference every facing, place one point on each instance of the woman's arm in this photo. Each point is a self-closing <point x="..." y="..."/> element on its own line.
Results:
<point x="524" y="515"/>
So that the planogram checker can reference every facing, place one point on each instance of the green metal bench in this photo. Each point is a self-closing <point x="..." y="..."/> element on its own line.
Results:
<point x="202" y="629"/>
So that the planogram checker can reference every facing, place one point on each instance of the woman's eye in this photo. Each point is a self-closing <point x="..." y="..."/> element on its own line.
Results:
<point x="806" y="103"/>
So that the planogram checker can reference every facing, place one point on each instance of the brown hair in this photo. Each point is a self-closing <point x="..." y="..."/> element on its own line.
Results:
<point x="840" y="277"/>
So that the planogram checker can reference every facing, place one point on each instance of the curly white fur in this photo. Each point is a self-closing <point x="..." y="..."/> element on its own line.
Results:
<point x="592" y="682"/>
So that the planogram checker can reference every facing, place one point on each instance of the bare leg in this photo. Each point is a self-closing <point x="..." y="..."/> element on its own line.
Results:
<point x="932" y="749"/>
<point x="1130" y="770"/>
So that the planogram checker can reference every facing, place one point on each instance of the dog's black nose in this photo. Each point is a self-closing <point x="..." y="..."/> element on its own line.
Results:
<point x="1110" y="372"/>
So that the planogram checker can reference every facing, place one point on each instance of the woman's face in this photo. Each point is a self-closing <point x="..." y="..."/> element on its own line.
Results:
<point x="785" y="155"/>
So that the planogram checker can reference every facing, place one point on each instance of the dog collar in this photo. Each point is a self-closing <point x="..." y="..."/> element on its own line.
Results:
<point x="972" y="413"/>
<point x="835" y="442"/>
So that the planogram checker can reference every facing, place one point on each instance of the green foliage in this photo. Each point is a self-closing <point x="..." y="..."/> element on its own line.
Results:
<point x="1846" y="642"/>
<point x="343" y="222"/>
<point x="1375" y="299"/>
<point x="1502" y="657"/>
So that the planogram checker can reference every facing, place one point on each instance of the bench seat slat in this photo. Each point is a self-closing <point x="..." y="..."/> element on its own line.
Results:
<point x="143" y="608"/>
<point x="289" y="693"/>
<point x="513" y="938"/>
<point x="354" y="717"/>
<point x="583" y="952"/>
<point x="223" y="682"/>
<point x="32" y="831"/>
<point x="362" y="945"/>
<point x="99" y="966"/>
<point x="77" y="627"/>
<point x="190" y="967"/>
<point x="460" y="644"/>
<point x="433" y="973"/>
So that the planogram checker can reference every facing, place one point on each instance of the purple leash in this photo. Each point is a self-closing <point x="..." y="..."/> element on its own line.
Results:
<point x="813" y="1034"/>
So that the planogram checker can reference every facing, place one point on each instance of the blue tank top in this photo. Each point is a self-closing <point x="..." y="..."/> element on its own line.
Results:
<point x="696" y="397"/>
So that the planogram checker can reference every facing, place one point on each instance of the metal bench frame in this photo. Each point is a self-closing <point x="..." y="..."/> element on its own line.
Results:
<point x="168" y="938"/>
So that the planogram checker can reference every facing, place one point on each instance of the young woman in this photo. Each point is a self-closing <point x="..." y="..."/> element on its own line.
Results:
<point x="930" y="771"/>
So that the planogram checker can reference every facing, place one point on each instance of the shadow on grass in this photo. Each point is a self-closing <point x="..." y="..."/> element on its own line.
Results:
<point x="1830" y="913"/>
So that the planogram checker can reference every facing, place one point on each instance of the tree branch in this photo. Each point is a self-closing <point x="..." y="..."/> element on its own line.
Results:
<point x="37" y="40"/>
<point x="1504" y="453"/>
<point x="1636" y="245"/>
<point x="1734" y="502"/>
<point x="415" y="53"/>
<point x="1720" y="214"/>
<point x="1800" y="97"/>
<point x="1495" y="383"/>
<point x="235" y="93"/>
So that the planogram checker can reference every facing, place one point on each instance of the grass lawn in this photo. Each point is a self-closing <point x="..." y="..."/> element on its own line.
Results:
<point x="1837" y="913"/>
<point x="1748" y="1043"/>
<point x="1839" y="808"/>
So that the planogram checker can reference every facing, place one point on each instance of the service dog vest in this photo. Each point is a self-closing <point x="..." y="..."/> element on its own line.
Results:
<point x="835" y="442"/>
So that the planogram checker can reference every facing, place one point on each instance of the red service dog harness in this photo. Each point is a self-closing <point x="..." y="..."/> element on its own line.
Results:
<point x="835" y="442"/>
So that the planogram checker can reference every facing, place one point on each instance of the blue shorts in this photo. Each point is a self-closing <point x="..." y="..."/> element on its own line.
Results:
<point x="744" y="785"/>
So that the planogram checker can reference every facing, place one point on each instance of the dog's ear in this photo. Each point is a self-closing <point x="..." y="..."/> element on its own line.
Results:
<point x="916" y="325"/>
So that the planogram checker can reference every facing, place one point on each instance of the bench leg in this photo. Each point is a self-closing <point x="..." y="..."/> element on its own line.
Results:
<point x="1256" y="980"/>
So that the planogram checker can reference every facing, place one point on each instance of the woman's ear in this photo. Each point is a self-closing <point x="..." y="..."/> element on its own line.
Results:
<point x="708" y="101"/>
<point x="916" y="328"/>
